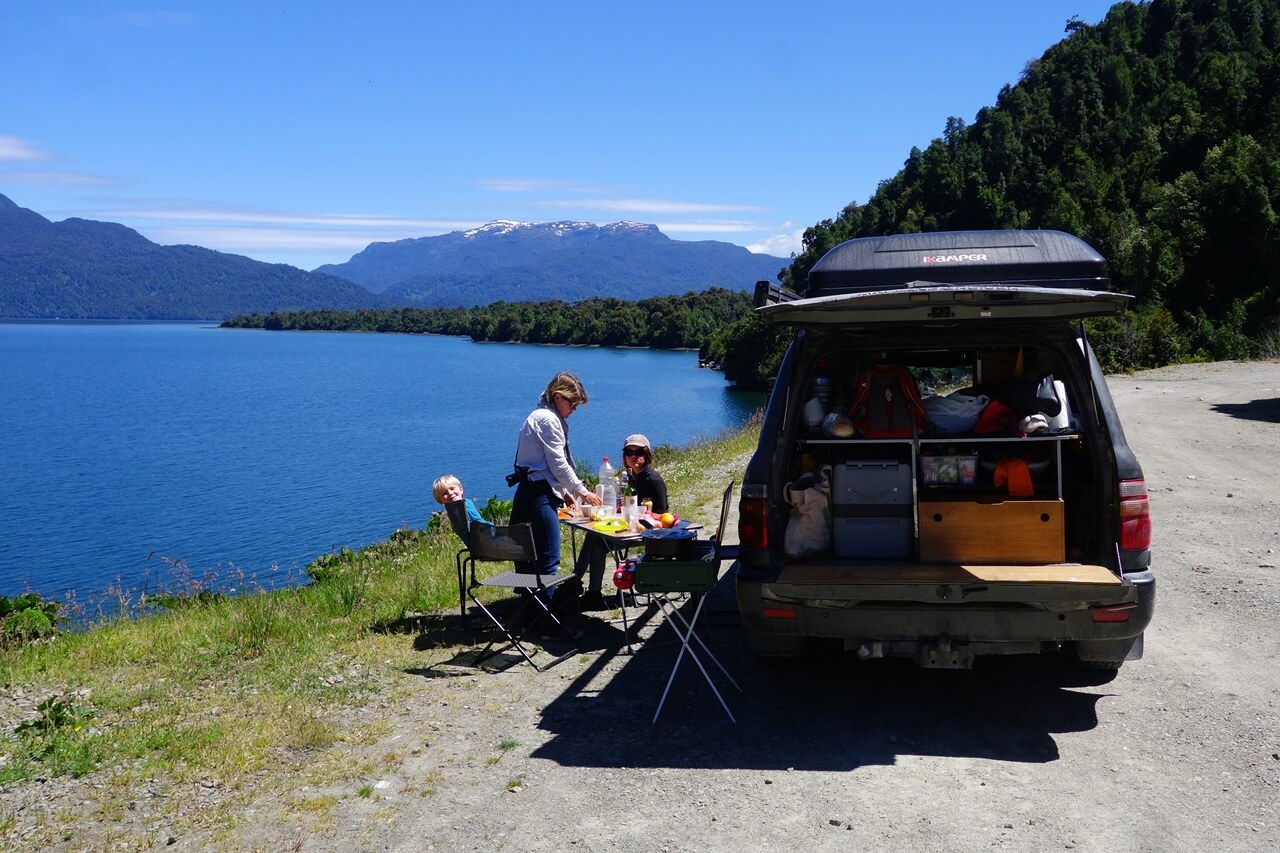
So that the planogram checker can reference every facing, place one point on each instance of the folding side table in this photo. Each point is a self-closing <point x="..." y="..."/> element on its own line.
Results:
<point x="663" y="578"/>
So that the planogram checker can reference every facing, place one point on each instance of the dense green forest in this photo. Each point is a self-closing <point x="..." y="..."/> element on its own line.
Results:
<point x="1154" y="135"/>
<point x="692" y="321"/>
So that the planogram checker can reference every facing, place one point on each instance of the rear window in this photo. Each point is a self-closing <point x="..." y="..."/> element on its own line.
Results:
<point x="997" y="372"/>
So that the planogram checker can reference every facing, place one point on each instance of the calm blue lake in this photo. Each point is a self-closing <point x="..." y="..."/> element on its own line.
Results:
<point x="127" y="446"/>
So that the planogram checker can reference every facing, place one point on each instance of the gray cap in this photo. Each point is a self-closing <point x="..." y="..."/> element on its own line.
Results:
<point x="638" y="440"/>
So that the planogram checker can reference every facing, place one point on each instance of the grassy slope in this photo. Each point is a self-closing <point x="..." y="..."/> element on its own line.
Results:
<point x="216" y="692"/>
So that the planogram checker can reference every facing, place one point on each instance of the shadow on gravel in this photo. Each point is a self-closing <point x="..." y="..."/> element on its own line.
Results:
<point x="1258" y="410"/>
<point x="828" y="712"/>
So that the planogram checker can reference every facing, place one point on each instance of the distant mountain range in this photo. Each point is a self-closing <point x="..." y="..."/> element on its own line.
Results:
<point x="83" y="269"/>
<point x="521" y="261"/>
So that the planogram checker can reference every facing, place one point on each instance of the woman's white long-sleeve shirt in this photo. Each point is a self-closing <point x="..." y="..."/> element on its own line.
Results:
<point x="543" y="446"/>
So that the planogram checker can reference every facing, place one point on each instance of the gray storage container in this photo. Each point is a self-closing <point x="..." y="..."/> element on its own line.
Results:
<point x="871" y="510"/>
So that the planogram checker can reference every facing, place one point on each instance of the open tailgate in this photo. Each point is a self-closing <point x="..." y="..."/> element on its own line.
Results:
<point x="1057" y="586"/>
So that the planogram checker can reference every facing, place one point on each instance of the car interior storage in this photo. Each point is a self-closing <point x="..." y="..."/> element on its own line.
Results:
<point x="911" y="492"/>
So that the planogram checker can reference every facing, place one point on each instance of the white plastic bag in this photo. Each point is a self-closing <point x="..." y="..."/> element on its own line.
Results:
<point x="955" y="412"/>
<point x="809" y="528"/>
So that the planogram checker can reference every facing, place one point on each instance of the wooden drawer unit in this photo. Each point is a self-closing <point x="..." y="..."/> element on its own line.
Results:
<point x="1004" y="532"/>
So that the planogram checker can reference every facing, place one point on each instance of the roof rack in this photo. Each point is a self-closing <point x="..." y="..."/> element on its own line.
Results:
<point x="768" y="293"/>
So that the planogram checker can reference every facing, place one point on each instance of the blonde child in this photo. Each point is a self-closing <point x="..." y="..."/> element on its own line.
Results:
<point x="447" y="490"/>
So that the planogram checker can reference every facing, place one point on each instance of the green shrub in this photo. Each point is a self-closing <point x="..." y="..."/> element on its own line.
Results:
<point x="1225" y="340"/>
<point x="27" y="618"/>
<point x="1144" y="338"/>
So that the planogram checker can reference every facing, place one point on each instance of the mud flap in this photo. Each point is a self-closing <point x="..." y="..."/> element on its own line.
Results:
<point x="1129" y="648"/>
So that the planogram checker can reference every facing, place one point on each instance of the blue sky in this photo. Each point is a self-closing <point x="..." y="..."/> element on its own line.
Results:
<point x="301" y="132"/>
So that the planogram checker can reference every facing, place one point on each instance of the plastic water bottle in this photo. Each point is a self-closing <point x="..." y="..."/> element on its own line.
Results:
<point x="822" y="390"/>
<point x="608" y="491"/>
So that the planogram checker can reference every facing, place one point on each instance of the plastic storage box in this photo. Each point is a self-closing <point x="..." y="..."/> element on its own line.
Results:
<point x="872" y="509"/>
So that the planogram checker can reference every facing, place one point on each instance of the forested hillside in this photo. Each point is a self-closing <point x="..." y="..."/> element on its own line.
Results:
<point x="1155" y="136"/>
<point x="691" y="321"/>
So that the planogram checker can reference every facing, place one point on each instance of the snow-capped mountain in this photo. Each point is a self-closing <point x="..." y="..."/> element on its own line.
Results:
<point x="525" y="261"/>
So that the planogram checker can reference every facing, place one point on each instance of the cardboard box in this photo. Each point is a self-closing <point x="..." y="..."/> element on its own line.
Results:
<point x="1005" y="532"/>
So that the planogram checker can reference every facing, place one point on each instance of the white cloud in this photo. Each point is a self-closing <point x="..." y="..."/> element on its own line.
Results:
<point x="58" y="179"/>
<point x="157" y="20"/>
<point x="707" y="227"/>
<point x="527" y="185"/>
<point x="17" y="148"/>
<point x="648" y="206"/>
<point x="250" y="240"/>
<point x="161" y="213"/>
<point x="781" y="245"/>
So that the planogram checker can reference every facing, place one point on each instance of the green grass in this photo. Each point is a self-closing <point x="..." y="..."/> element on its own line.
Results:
<point x="222" y="687"/>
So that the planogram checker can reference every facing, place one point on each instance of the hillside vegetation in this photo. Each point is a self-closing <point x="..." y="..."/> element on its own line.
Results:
<point x="691" y="321"/>
<point x="1155" y="136"/>
<point x="212" y="697"/>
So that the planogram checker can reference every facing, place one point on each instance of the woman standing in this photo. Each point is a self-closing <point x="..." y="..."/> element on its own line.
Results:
<point x="545" y="470"/>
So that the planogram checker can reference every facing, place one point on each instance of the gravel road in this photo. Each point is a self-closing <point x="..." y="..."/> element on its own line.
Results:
<point x="1180" y="751"/>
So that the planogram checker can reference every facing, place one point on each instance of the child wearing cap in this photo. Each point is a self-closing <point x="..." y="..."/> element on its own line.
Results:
<point x="644" y="479"/>
<point x="647" y="485"/>
<point x="447" y="490"/>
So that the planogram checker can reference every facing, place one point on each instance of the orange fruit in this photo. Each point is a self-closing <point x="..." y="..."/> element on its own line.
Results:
<point x="667" y="520"/>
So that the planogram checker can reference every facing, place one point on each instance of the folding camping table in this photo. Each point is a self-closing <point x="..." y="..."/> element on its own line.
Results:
<point x="663" y="579"/>
<point x="696" y="576"/>
<point x="620" y="543"/>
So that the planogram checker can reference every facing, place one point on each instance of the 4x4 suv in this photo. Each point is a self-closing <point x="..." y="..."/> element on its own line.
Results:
<point x="941" y="394"/>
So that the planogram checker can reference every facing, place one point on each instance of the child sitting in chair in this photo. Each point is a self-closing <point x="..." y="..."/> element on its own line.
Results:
<point x="448" y="490"/>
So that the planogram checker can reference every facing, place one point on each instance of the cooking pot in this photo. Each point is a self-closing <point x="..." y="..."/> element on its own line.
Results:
<point x="669" y="543"/>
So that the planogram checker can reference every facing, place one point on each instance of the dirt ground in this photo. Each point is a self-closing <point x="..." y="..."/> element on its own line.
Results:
<point x="1180" y="751"/>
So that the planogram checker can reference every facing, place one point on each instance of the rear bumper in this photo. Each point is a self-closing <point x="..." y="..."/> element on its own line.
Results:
<point x="1002" y="617"/>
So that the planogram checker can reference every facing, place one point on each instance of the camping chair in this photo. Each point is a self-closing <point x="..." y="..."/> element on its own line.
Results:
<point x="457" y="514"/>
<point x="514" y="543"/>
<point x="722" y="551"/>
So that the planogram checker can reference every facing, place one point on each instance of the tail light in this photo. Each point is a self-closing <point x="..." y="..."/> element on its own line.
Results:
<point x="1135" y="516"/>
<point x="753" y="517"/>
<point x="1114" y="613"/>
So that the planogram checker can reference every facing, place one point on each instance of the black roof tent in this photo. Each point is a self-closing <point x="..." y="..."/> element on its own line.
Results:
<point x="1036" y="258"/>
